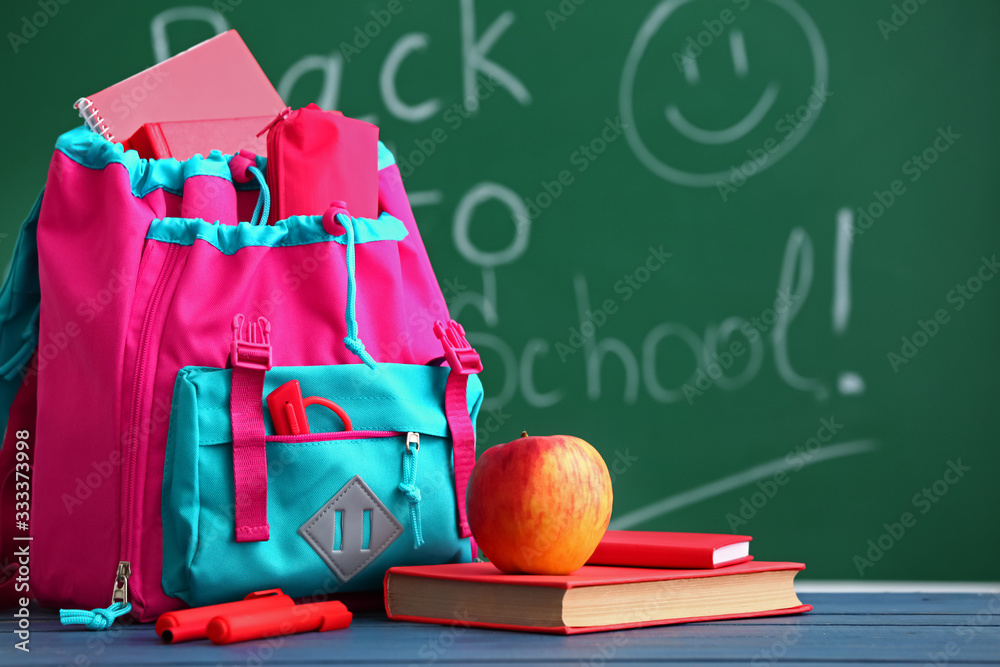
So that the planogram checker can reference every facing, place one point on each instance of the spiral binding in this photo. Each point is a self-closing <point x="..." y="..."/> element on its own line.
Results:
<point x="92" y="118"/>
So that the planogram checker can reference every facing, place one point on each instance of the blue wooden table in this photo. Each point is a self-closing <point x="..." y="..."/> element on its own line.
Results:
<point x="911" y="628"/>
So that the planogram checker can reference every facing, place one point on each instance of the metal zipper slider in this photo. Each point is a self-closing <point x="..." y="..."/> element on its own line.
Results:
<point x="413" y="439"/>
<point x="120" y="592"/>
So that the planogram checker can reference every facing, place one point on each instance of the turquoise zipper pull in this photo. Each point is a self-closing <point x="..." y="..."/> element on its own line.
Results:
<point x="409" y="487"/>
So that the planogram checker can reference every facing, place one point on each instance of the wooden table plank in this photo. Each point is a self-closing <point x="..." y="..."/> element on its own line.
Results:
<point x="830" y="608"/>
<point x="884" y="628"/>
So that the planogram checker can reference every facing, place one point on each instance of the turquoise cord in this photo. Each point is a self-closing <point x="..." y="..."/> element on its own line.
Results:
<point x="352" y="341"/>
<point x="97" y="619"/>
<point x="263" y="199"/>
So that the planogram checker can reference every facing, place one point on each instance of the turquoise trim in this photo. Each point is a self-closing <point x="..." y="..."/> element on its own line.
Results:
<point x="385" y="157"/>
<point x="95" y="152"/>
<point x="296" y="230"/>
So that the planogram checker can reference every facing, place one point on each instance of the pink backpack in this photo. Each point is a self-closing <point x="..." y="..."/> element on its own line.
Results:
<point x="142" y="266"/>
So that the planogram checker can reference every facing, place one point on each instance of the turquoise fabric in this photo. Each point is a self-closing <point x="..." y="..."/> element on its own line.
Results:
<point x="20" y="297"/>
<point x="385" y="157"/>
<point x="95" y="152"/>
<point x="203" y="564"/>
<point x="296" y="230"/>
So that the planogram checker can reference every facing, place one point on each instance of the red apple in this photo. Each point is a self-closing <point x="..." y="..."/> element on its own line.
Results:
<point x="539" y="505"/>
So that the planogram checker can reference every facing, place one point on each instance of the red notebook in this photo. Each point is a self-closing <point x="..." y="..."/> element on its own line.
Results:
<point x="218" y="78"/>
<point x="660" y="549"/>
<point x="183" y="138"/>
<point x="592" y="599"/>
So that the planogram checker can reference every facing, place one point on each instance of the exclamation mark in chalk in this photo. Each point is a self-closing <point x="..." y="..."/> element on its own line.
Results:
<point x="848" y="383"/>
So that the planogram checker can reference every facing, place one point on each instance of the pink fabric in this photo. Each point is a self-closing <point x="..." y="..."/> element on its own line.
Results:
<point x="210" y="198"/>
<point x="317" y="156"/>
<point x="104" y="405"/>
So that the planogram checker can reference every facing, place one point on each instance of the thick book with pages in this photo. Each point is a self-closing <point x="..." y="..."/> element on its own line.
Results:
<point x="592" y="599"/>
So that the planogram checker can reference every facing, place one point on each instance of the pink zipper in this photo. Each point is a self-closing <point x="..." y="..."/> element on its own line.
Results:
<point x="335" y="435"/>
<point x="138" y="391"/>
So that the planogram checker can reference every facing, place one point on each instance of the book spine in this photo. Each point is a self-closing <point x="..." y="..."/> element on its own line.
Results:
<point x="92" y="118"/>
<point x="158" y="142"/>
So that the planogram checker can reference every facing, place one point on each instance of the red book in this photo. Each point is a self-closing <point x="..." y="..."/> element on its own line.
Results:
<point x="183" y="138"/>
<point x="682" y="550"/>
<point x="218" y="78"/>
<point x="592" y="599"/>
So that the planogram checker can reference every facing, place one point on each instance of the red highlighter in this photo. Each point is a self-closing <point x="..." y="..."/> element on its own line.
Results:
<point x="187" y="624"/>
<point x="227" y="628"/>
<point x="288" y="409"/>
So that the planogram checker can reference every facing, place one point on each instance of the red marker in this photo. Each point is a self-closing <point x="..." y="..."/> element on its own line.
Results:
<point x="227" y="628"/>
<point x="187" y="624"/>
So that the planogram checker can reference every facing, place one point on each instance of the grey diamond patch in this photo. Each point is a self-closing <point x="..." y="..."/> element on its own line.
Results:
<point x="349" y="509"/>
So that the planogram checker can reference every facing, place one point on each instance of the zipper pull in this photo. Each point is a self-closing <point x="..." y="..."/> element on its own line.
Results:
<point x="412" y="439"/>
<point x="120" y="591"/>
<point x="280" y="117"/>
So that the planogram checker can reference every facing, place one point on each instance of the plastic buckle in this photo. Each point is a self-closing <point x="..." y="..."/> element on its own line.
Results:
<point x="252" y="352"/>
<point x="239" y="166"/>
<point x="461" y="356"/>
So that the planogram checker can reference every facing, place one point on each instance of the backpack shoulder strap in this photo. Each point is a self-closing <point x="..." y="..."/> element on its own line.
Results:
<point x="20" y="297"/>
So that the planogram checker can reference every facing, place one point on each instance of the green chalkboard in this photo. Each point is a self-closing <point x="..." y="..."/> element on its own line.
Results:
<point x="747" y="248"/>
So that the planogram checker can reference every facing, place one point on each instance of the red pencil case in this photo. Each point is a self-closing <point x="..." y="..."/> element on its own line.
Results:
<point x="315" y="157"/>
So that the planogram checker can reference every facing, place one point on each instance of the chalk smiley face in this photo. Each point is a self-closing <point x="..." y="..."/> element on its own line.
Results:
<point x="702" y="129"/>
<point x="745" y="124"/>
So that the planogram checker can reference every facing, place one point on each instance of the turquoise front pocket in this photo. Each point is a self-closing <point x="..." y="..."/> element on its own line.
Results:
<point x="328" y="533"/>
